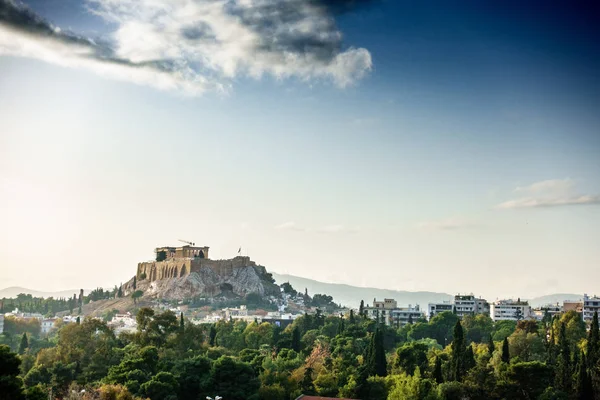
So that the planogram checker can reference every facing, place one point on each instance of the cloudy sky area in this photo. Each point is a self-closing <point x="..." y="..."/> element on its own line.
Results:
<point x="450" y="147"/>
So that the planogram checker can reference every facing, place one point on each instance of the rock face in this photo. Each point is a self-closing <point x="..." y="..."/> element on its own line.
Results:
<point x="206" y="282"/>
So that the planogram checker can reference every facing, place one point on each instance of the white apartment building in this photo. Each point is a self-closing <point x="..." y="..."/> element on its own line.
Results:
<point x="47" y="325"/>
<point x="1" y="323"/>
<point x="551" y="309"/>
<point x="470" y="305"/>
<point x="510" y="310"/>
<point x="436" y="308"/>
<point x="392" y="315"/>
<point x="590" y="305"/>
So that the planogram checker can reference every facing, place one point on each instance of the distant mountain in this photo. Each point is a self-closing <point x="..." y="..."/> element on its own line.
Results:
<point x="554" y="298"/>
<point x="351" y="296"/>
<point x="13" y="291"/>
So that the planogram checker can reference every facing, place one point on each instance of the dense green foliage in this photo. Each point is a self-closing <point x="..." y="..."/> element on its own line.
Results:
<point x="169" y="358"/>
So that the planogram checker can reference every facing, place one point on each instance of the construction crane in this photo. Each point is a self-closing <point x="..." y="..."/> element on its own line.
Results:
<point x="185" y="241"/>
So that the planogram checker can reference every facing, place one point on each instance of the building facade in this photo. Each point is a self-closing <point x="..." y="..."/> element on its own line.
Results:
<point x="389" y="313"/>
<point x="590" y="306"/>
<point x="436" y="308"/>
<point x="1" y="323"/>
<point x="510" y="310"/>
<point x="470" y="305"/>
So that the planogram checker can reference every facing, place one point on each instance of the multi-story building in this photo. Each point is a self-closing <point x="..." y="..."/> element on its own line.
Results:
<point x="392" y="315"/>
<point x="551" y="309"/>
<point x="590" y="305"/>
<point x="573" y="305"/>
<point x="436" y="308"/>
<point x="47" y="325"/>
<point x="470" y="305"/>
<point x="1" y="323"/>
<point x="510" y="310"/>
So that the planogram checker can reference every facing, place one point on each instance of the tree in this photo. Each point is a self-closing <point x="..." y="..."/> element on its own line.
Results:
<point x="181" y="322"/>
<point x="458" y="353"/>
<point x="375" y="361"/>
<point x="361" y="308"/>
<point x="161" y="256"/>
<point x="505" y="352"/>
<point x="134" y="283"/>
<point x="24" y="345"/>
<point x="306" y="385"/>
<point x="212" y="335"/>
<point x="296" y="339"/>
<point x="411" y="356"/>
<point x="136" y="295"/>
<point x="583" y="388"/>
<point x="593" y="342"/>
<point x="437" y="371"/>
<point x="10" y="383"/>
<point x="563" y="367"/>
<point x="491" y="346"/>
<point x="120" y="291"/>
<point x="233" y="380"/>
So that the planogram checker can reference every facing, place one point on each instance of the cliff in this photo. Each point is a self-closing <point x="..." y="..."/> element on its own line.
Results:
<point x="206" y="281"/>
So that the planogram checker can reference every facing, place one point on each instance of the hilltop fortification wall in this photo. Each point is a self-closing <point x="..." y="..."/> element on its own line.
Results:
<point x="180" y="267"/>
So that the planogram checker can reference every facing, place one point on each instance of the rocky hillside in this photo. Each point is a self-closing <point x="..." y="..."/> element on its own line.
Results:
<point x="207" y="283"/>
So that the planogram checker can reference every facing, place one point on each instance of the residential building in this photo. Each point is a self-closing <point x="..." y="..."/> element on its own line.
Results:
<point x="510" y="310"/>
<point x="1" y="323"/>
<point x="590" y="306"/>
<point x="550" y="309"/>
<point x="470" y="305"/>
<point x="47" y="325"/>
<point x="573" y="305"/>
<point x="436" y="308"/>
<point x="392" y="315"/>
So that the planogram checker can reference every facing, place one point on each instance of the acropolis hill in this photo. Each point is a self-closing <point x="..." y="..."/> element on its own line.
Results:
<point x="187" y="271"/>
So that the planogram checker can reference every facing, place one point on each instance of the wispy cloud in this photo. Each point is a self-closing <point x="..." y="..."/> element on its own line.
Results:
<point x="192" y="46"/>
<point x="549" y="193"/>
<point x="448" y="224"/>
<point x="290" y="226"/>
<point x="331" y="229"/>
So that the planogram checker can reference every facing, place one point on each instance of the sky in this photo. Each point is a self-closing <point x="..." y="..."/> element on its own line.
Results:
<point x="452" y="146"/>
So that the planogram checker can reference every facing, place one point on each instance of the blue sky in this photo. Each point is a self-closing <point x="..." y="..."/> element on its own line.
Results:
<point x="452" y="146"/>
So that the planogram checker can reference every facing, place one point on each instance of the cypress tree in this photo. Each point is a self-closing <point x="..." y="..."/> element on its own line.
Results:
<point x="563" y="367"/>
<point x="584" y="389"/>
<point x="296" y="339"/>
<point x="458" y="353"/>
<point x="491" y="346"/>
<point x="469" y="358"/>
<point x="351" y="319"/>
<point x="306" y="385"/>
<point x="361" y="309"/>
<point x="24" y="344"/>
<point x="212" y="335"/>
<point x="341" y="326"/>
<point x="376" y="357"/>
<point x="78" y="320"/>
<point x="134" y="283"/>
<point x="181" y="322"/>
<point x="593" y="342"/>
<point x="505" y="351"/>
<point x="437" y="371"/>
<point x="410" y="319"/>
<point x="120" y="291"/>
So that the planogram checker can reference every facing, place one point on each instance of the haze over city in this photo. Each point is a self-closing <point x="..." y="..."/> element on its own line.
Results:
<point x="452" y="147"/>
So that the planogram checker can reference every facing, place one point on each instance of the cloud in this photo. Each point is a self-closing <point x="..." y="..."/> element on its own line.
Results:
<point x="549" y="193"/>
<point x="529" y="202"/>
<point x="337" y="229"/>
<point x="192" y="46"/>
<point x="290" y="226"/>
<point x="330" y="229"/>
<point x="548" y="186"/>
<point x="447" y="224"/>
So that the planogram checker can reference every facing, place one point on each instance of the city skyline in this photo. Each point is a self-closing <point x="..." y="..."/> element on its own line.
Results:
<point x="373" y="143"/>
